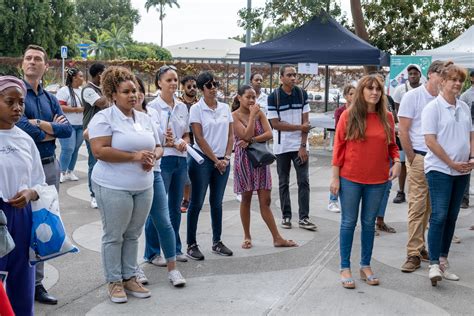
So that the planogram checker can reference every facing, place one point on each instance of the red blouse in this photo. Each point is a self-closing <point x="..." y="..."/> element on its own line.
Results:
<point x="365" y="161"/>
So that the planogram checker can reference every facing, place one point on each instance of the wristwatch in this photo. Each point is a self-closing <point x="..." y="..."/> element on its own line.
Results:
<point x="227" y="157"/>
<point x="303" y="145"/>
<point x="38" y="122"/>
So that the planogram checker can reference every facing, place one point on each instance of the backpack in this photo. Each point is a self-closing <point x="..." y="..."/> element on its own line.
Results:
<point x="277" y="103"/>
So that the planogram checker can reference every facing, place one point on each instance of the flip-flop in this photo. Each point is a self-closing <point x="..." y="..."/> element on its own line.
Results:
<point x="287" y="243"/>
<point x="247" y="244"/>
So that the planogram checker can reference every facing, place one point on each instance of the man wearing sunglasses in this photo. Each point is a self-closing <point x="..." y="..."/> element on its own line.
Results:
<point x="468" y="98"/>
<point x="189" y="97"/>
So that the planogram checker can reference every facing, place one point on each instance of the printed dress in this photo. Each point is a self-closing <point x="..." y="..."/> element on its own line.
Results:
<point x="246" y="177"/>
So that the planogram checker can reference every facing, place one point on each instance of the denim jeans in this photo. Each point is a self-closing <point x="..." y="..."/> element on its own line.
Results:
<point x="173" y="171"/>
<point x="202" y="177"/>
<point x="384" y="202"/>
<point x="70" y="149"/>
<point x="158" y="228"/>
<point x="302" y="177"/>
<point x="91" y="161"/>
<point x="351" y="194"/>
<point x="446" y="193"/>
<point x="333" y="197"/>
<point x="123" y="215"/>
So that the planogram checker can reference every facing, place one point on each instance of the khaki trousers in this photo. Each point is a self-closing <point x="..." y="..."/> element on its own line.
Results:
<point x="419" y="208"/>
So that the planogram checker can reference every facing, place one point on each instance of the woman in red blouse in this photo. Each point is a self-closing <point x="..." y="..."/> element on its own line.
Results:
<point x="364" y="145"/>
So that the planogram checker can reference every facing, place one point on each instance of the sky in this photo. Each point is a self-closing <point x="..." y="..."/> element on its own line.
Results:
<point x="194" y="20"/>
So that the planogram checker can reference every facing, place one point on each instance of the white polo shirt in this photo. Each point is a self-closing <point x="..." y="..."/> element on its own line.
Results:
<point x="215" y="125"/>
<point x="411" y="106"/>
<point x="64" y="95"/>
<point x="20" y="163"/>
<point x="452" y="126"/>
<point x="155" y="118"/>
<point x="127" y="135"/>
<point x="177" y="118"/>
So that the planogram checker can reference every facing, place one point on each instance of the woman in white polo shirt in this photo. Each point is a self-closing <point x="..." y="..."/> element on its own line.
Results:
<point x="174" y="120"/>
<point x="69" y="98"/>
<point x="126" y="145"/>
<point x="211" y="122"/>
<point x="449" y="135"/>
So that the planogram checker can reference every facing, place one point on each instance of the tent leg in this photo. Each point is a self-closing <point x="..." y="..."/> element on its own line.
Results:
<point x="326" y="89"/>
<point x="238" y="76"/>
<point x="271" y="77"/>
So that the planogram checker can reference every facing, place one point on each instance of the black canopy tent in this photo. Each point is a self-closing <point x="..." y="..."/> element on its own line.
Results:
<point x="321" y="40"/>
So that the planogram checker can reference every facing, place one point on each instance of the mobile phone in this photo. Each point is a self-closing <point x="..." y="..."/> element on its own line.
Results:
<point x="298" y="161"/>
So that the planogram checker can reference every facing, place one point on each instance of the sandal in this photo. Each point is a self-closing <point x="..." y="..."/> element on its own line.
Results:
<point x="348" y="283"/>
<point x="247" y="244"/>
<point x="286" y="243"/>
<point x="369" y="279"/>
<point x="385" y="228"/>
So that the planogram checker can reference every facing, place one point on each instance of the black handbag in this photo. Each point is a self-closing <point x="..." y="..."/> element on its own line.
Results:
<point x="260" y="154"/>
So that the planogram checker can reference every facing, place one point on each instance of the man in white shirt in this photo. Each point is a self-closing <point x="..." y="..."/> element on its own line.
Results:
<point x="414" y="76"/>
<point x="256" y="80"/>
<point x="468" y="98"/>
<point x="288" y="112"/>
<point x="413" y="143"/>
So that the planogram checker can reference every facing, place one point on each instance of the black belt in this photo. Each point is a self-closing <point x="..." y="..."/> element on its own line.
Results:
<point x="47" y="160"/>
<point x="419" y="152"/>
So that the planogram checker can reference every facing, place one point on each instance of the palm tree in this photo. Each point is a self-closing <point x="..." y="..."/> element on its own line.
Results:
<point x="117" y="40"/>
<point x="160" y="7"/>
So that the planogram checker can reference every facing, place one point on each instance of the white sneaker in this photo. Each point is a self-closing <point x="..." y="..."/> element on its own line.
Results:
<point x="435" y="274"/>
<point x="333" y="206"/>
<point x="159" y="261"/>
<point x="471" y="190"/>
<point x="238" y="197"/>
<point x="181" y="258"/>
<point x="176" y="278"/>
<point x="141" y="277"/>
<point x="72" y="176"/>
<point x="93" y="202"/>
<point x="447" y="274"/>
<point x="63" y="177"/>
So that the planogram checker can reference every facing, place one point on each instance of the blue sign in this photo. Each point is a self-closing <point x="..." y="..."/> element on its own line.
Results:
<point x="63" y="52"/>
<point x="84" y="48"/>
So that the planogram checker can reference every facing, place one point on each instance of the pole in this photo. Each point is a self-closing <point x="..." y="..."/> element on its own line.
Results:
<point x="247" y="43"/>
<point x="326" y="89"/>
<point x="271" y="77"/>
<point x="62" y="71"/>
<point x="238" y="75"/>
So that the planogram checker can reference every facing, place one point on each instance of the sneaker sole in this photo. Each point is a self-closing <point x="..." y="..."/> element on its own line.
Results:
<point x="309" y="228"/>
<point x="138" y="294"/>
<point x="222" y="254"/>
<point x="435" y="280"/>
<point x="118" y="300"/>
<point x="410" y="270"/>
<point x="285" y="227"/>
<point x="194" y="258"/>
<point x="178" y="284"/>
<point x="181" y="259"/>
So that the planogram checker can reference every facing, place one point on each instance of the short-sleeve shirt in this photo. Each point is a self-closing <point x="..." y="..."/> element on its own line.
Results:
<point x="290" y="110"/>
<point x="452" y="126"/>
<point x="400" y="91"/>
<point x="411" y="106"/>
<point x="176" y="118"/>
<point x="468" y="98"/>
<point x="130" y="135"/>
<point x="262" y="101"/>
<point x="20" y="163"/>
<point x="215" y="125"/>
<point x="90" y="94"/>
<point x="64" y="97"/>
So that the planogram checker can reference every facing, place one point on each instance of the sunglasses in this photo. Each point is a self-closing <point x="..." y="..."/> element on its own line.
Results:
<point x="212" y="84"/>
<point x="191" y="87"/>
<point x="165" y="68"/>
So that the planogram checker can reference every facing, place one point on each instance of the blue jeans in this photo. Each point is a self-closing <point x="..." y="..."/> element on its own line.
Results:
<point x="446" y="194"/>
<point x="351" y="194"/>
<point x="384" y="202"/>
<point x="202" y="177"/>
<point x="333" y="197"/>
<point x="158" y="228"/>
<point x="91" y="161"/>
<point x="70" y="149"/>
<point x="173" y="171"/>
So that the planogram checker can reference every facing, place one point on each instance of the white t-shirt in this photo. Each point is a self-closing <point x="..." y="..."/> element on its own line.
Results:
<point x="155" y="118"/>
<point x="90" y="96"/>
<point x="262" y="100"/>
<point x="215" y="125"/>
<point x="63" y="95"/>
<point x="411" y="106"/>
<point x="20" y="163"/>
<point x="127" y="135"/>
<point x="452" y="127"/>
<point x="177" y="118"/>
<point x="400" y="91"/>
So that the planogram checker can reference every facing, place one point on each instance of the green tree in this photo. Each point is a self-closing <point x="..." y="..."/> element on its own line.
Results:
<point x="143" y="51"/>
<point x="110" y="44"/>
<point x="45" y="23"/>
<point x="160" y="7"/>
<point x="402" y="27"/>
<point x="100" y="15"/>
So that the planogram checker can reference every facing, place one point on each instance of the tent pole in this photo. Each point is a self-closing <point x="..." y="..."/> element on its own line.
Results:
<point x="238" y="76"/>
<point x="271" y="77"/>
<point x="326" y="89"/>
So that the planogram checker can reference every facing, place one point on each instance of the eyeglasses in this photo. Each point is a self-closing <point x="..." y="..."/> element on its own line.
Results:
<point x="165" y="68"/>
<point x="212" y="84"/>
<point x="191" y="87"/>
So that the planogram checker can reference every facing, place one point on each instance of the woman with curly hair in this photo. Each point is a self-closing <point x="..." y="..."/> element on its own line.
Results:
<point x="364" y="145"/>
<point x="69" y="98"/>
<point x="126" y="144"/>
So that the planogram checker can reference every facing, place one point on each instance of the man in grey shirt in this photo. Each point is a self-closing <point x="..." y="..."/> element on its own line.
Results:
<point x="468" y="98"/>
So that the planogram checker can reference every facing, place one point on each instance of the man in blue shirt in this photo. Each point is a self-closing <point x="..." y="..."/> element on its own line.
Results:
<point x="44" y="121"/>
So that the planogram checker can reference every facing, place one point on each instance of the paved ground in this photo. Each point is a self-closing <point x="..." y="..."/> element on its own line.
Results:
<point x="262" y="280"/>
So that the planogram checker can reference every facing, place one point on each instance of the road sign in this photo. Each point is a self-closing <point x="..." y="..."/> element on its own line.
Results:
<point x="64" y="52"/>
<point x="83" y="48"/>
